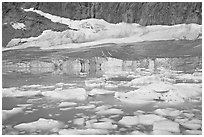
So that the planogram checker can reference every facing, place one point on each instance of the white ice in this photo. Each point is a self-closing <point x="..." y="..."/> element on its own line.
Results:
<point x="15" y="92"/>
<point x="79" y="121"/>
<point x="97" y="91"/>
<point x="17" y="25"/>
<point x="75" y="93"/>
<point x="149" y="119"/>
<point x="129" y="120"/>
<point x="102" y="125"/>
<point x="92" y="32"/>
<point x="9" y="113"/>
<point x="166" y="125"/>
<point x="67" y="104"/>
<point x="110" y="111"/>
<point x="40" y="124"/>
<point x="83" y="132"/>
<point x="89" y="106"/>
<point x="168" y="112"/>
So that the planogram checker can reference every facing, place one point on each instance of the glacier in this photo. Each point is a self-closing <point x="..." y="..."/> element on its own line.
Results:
<point x="97" y="32"/>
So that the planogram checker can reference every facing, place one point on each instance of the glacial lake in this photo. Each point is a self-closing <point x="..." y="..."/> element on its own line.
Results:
<point x="51" y="71"/>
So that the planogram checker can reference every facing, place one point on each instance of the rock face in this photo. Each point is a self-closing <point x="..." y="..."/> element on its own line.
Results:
<point x="153" y="13"/>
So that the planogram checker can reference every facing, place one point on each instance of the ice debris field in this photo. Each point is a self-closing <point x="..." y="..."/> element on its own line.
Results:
<point x="148" y="104"/>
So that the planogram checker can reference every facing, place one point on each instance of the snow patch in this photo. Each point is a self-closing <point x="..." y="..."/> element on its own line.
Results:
<point x="17" y="25"/>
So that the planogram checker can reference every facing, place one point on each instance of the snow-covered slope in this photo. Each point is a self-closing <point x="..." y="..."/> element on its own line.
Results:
<point x="90" y="32"/>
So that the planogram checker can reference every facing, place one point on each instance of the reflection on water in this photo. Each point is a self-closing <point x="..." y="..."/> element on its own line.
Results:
<point x="97" y="66"/>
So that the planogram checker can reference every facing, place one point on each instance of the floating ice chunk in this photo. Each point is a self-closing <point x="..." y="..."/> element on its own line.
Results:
<point x="110" y="111"/>
<point x="79" y="121"/>
<point x="83" y="132"/>
<point x="75" y="93"/>
<point x="140" y="96"/>
<point x="103" y="125"/>
<point x="169" y="93"/>
<point x="188" y="90"/>
<point x="168" y="112"/>
<point x="110" y="86"/>
<point x="91" y="106"/>
<point x="160" y="87"/>
<point x="129" y="120"/>
<point x="47" y="87"/>
<point x="107" y="120"/>
<point x="24" y="105"/>
<point x="114" y="116"/>
<point x="100" y="92"/>
<point x="189" y="78"/>
<point x="67" y="104"/>
<point x="93" y="83"/>
<point x="149" y="119"/>
<point x="166" y="125"/>
<point x="190" y="125"/>
<point x="181" y="120"/>
<point x="60" y="84"/>
<point x="64" y="109"/>
<point x="189" y="115"/>
<point x="137" y="133"/>
<point x="161" y="132"/>
<point x="41" y="124"/>
<point x="31" y="86"/>
<point x="14" y="92"/>
<point x="193" y="132"/>
<point x="145" y="80"/>
<point x="103" y="107"/>
<point x="195" y="120"/>
<point x="9" y="113"/>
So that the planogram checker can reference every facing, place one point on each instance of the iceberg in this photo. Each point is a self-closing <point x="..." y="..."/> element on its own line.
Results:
<point x="170" y="93"/>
